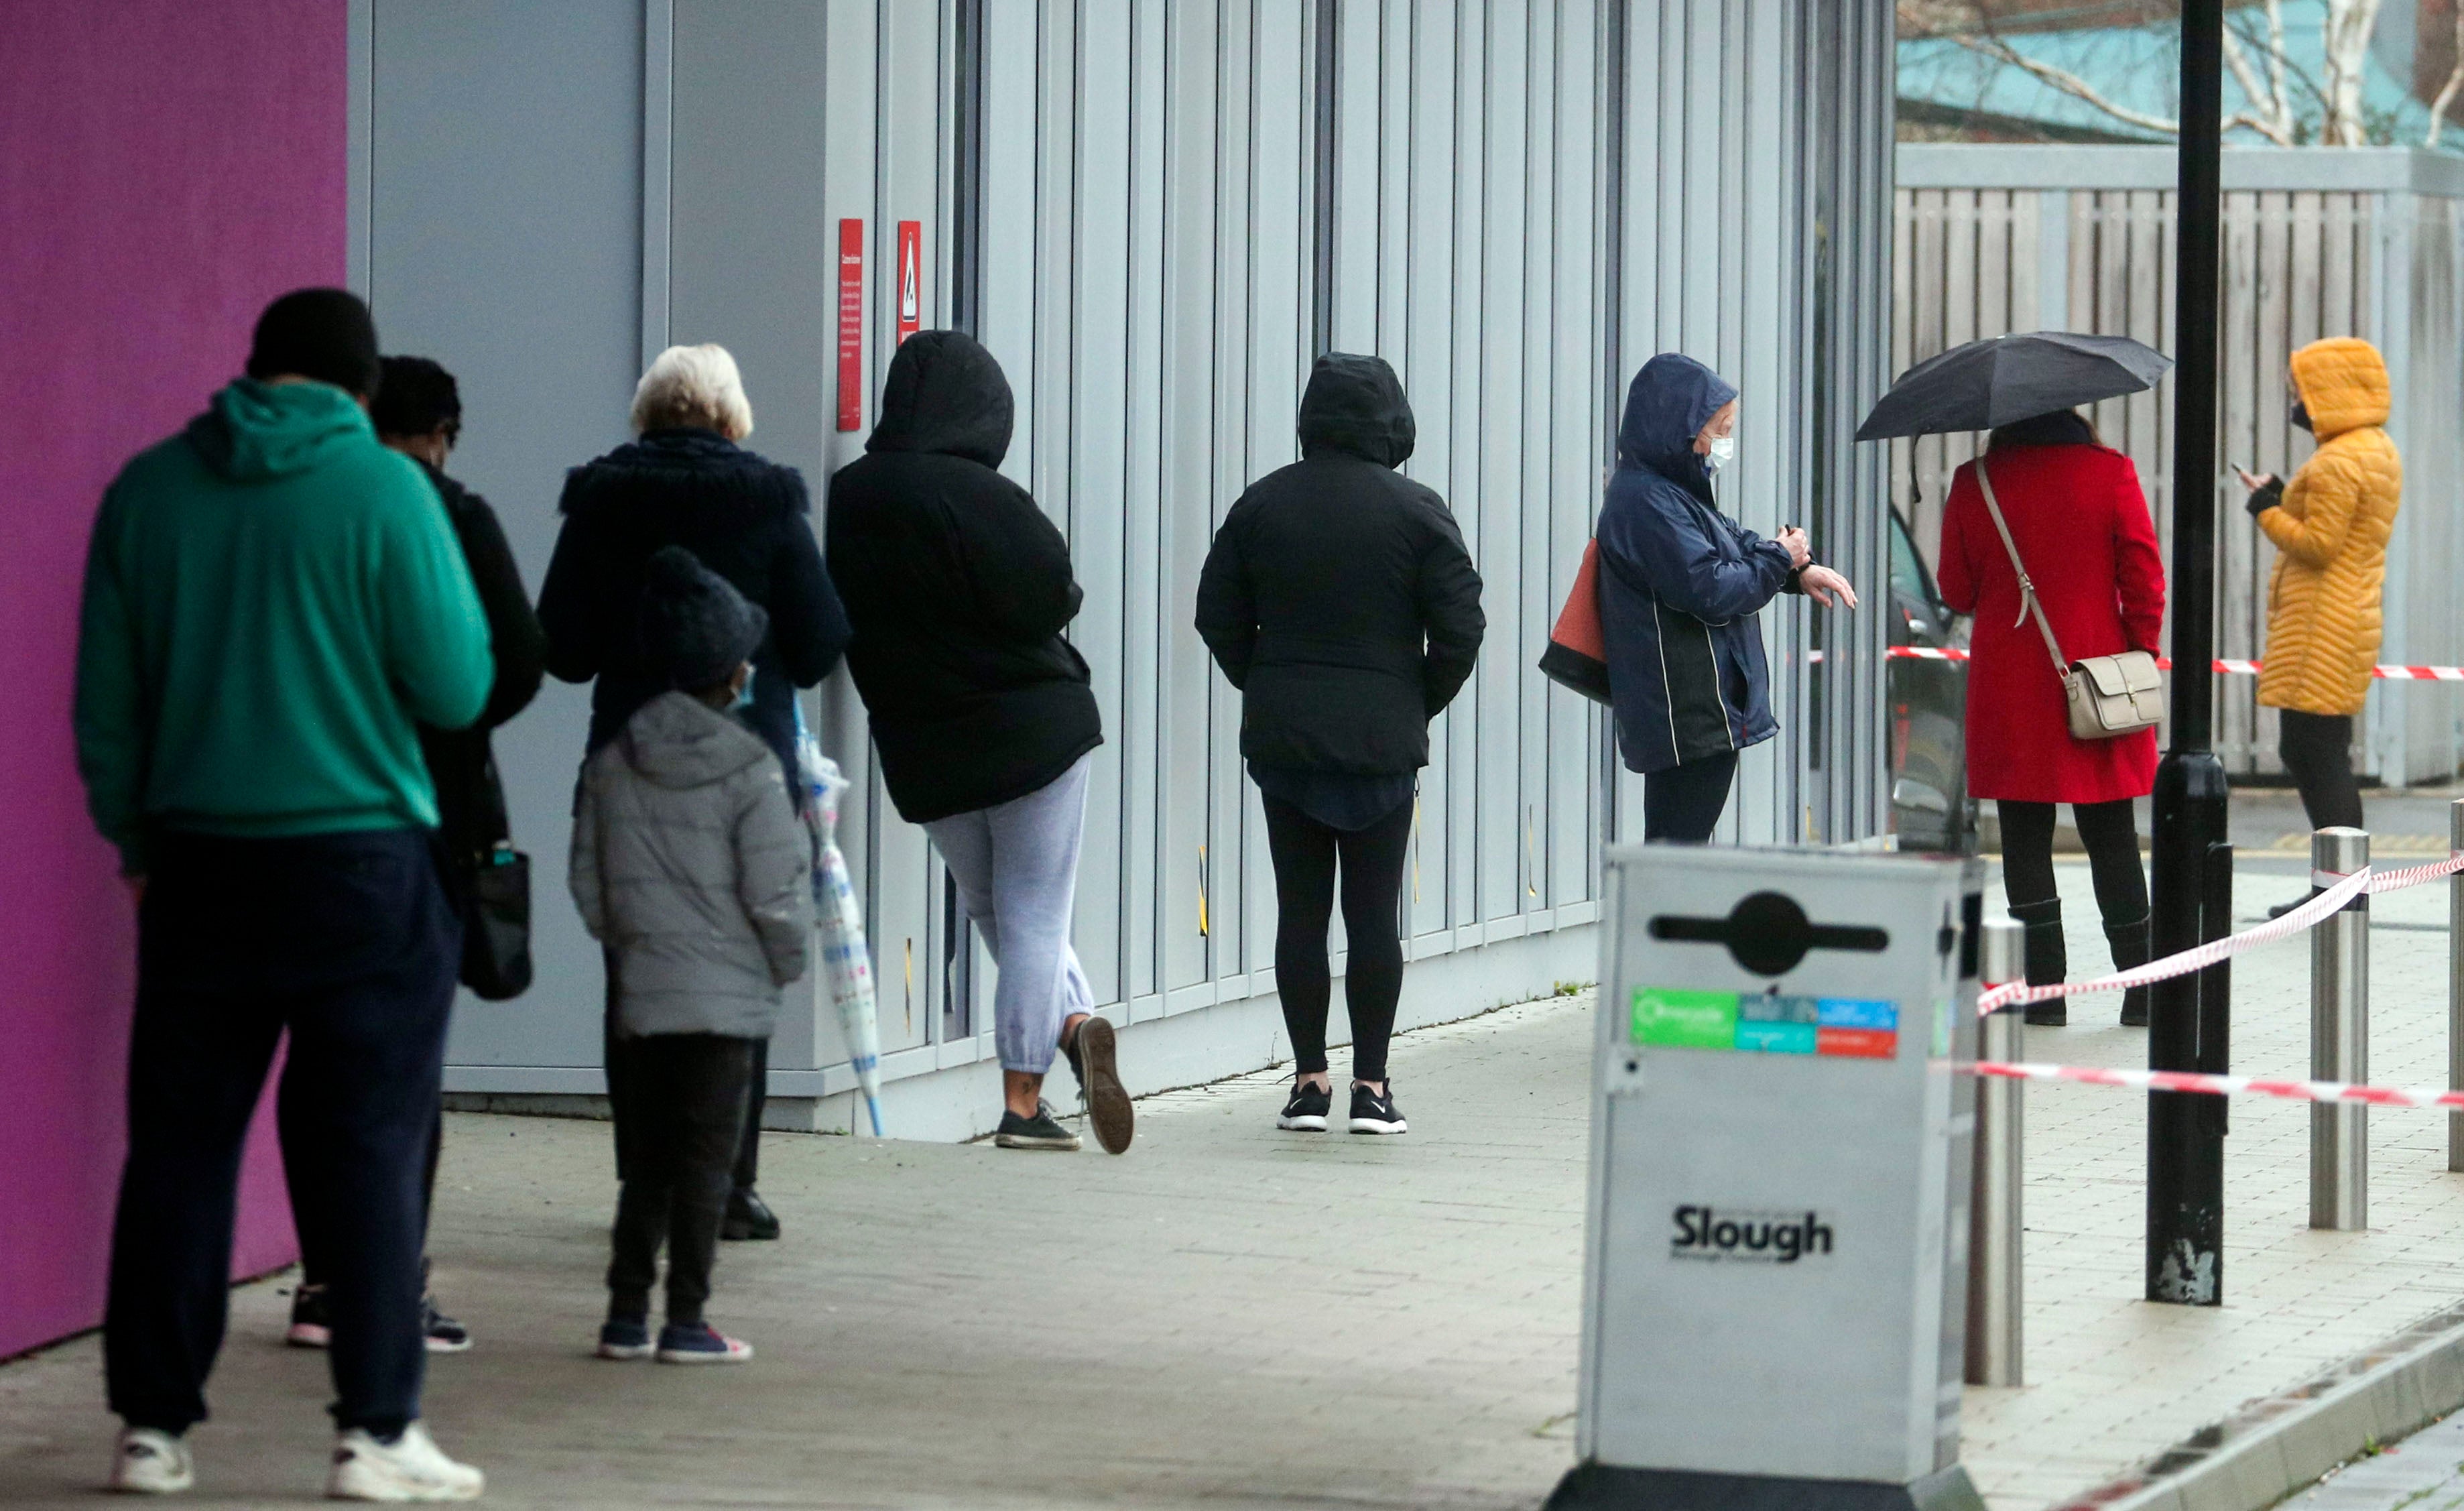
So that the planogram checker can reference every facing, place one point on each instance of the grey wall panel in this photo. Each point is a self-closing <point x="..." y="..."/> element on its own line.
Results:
<point x="504" y="227"/>
<point x="753" y="255"/>
<point x="1755" y="133"/>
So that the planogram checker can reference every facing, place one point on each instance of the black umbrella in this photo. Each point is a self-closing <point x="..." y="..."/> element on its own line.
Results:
<point x="2005" y="378"/>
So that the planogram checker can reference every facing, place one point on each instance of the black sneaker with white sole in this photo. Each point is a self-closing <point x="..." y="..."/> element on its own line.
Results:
<point x="443" y="1333"/>
<point x="311" y="1318"/>
<point x="1375" y="1111"/>
<point x="1042" y="1131"/>
<point x="1305" y="1112"/>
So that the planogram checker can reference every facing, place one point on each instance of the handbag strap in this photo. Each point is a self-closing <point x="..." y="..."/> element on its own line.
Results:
<point x="2029" y="604"/>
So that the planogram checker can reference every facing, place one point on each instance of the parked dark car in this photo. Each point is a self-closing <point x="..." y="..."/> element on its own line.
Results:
<point x="1930" y="809"/>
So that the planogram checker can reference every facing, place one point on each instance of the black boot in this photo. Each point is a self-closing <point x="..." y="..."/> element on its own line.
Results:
<point x="2048" y="958"/>
<point x="2131" y="948"/>
<point x="748" y="1216"/>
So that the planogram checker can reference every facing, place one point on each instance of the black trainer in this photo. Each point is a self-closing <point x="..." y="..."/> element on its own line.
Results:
<point x="1042" y="1131"/>
<point x="748" y="1217"/>
<point x="1375" y="1113"/>
<point x="311" y="1318"/>
<point x="444" y="1334"/>
<point x="1305" y="1112"/>
<point x="1093" y="1053"/>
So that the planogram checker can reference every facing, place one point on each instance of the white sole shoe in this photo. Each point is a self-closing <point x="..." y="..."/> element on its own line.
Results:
<point x="737" y="1351"/>
<point x="1379" y="1126"/>
<point x="309" y="1335"/>
<point x="148" y="1463"/>
<point x="410" y="1469"/>
<point x="1306" y="1123"/>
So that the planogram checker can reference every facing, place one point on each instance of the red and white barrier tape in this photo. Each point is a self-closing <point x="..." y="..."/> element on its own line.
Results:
<point x="2199" y="957"/>
<point x="2227" y="666"/>
<point x="2222" y="1086"/>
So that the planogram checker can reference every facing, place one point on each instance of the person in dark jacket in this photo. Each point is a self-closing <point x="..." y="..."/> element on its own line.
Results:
<point x="687" y="482"/>
<point x="960" y="589"/>
<point x="418" y="412"/>
<point x="1681" y="583"/>
<point x="1339" y="599"/>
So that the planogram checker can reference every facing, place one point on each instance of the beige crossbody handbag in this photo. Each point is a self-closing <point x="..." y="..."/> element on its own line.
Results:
<point x="2108" y="696"/>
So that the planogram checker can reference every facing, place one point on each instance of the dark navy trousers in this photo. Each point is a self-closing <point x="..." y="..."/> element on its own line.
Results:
<point x="347" y="942"/>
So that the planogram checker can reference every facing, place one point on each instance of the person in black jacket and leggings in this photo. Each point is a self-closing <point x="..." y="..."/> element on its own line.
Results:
<point x="960" y="589"/>
<point x="418" y="412"/>
<point x="688" y="482"/>
<point x="1339" y="599"/>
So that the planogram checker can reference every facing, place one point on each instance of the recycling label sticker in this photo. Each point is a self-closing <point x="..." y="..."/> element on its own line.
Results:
<point x="1766" y="1024"/>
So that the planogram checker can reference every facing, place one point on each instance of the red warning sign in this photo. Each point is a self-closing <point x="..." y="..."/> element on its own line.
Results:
<point x="851" y="325"/>
<point x="910" y="277"/>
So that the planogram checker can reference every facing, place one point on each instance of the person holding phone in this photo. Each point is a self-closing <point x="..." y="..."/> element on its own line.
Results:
<point x="1681" y="584"/>
<point x="2330" y="524"/>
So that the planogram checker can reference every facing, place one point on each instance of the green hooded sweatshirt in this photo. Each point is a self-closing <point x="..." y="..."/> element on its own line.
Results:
<point x="272" y="600"/>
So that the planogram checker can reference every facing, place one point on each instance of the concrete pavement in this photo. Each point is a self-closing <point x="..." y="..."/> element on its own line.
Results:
<point x="1231" y="1316"/>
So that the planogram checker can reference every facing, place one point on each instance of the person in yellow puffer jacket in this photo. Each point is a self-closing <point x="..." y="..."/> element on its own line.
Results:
<point x="2330" y="525"/>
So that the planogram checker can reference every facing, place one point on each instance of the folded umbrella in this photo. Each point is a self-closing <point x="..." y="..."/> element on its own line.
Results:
<point x="2003" y="379"/>
<point x="847" y="963"/>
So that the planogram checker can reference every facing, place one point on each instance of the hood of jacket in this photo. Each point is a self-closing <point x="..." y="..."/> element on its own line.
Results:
<point x="253" y="431"/>
<point x="2343" y="384"/>
<point x="945" y="394"/>
<point x="677" y="740"/>
<point x="1666" y="409"/>
<point x="1356" y="404"/>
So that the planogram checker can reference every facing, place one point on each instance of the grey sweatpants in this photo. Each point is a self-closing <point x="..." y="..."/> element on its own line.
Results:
<point x="1017" y="867"/>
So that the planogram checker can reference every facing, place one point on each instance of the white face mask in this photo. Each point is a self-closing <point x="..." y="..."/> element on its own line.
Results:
<point x="1723" y="448"/>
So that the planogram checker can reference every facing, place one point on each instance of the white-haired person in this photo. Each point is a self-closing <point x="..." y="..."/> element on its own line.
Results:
<point x="687" y="480"/>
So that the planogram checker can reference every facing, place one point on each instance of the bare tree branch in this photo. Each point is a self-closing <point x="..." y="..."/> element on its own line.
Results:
<point x="2454" y="81"/>
<point x="2068" y="83"/>
<point x="2274" y="124"/>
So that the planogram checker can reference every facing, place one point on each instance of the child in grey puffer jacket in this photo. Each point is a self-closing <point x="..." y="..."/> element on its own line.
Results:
<point x="689" y="865"/>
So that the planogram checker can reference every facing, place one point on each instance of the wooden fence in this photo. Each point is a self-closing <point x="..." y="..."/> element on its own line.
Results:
<point x="2317" y="242"/>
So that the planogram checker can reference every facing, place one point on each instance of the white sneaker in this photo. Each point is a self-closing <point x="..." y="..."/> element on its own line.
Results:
<point x="151" y="1462"/>
<point x="411" y="1468"/>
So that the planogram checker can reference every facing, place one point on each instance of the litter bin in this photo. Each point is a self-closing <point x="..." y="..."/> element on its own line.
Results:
<point x="1776" y="1262"/>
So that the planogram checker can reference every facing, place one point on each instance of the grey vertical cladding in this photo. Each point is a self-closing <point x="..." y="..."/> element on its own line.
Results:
<point x="1152" y="280"/>
<point x="1755" y="190"/>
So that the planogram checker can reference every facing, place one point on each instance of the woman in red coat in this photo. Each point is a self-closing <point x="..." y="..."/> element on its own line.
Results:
<point x="2081" y="525"/>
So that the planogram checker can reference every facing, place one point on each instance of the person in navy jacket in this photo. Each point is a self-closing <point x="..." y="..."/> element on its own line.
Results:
<point x="1680" y="586"/>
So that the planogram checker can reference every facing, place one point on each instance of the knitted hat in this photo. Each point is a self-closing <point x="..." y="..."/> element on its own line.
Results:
<point x="695" y="628"/>
<point x="324" y="334"/>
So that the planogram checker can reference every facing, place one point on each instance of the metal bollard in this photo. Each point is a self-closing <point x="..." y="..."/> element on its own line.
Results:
<point x="1995" y="1325"/>
<point x="2455" y="985"/>
<point x="2339" y="1038"/>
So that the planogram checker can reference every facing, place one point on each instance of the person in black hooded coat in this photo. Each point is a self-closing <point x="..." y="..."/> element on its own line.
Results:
<point x="960" y="588"/>
<point x="1339" y="599"/>
<point x="688" y="482"/>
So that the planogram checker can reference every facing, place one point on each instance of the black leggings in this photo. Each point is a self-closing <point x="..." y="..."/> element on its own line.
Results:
<point x="1305" y="854"/>
<point x="1685" y="802"/>
<point x="2318" y="750"/>
<point x="2109" y="830"/>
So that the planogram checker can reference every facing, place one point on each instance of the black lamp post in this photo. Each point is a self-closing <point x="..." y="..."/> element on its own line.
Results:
<point x="2189" y="1016"/>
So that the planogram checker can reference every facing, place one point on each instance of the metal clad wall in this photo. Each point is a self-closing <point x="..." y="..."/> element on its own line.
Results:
<point x="1148" y="283"/>
<point x="1755" y="173"/>
<point x="504" y="239"/>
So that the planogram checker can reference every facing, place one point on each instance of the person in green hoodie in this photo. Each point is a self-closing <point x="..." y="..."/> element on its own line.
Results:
<point x="273" y="603"/>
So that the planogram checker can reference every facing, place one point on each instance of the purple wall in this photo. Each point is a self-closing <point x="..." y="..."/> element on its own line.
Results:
<point x="165" y="168"/>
